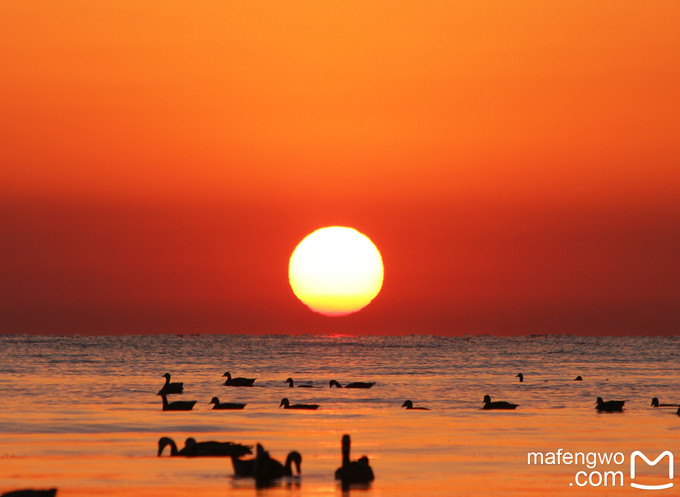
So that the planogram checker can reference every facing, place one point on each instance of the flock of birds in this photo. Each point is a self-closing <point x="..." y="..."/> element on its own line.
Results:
<point x="182" y="405"/>
<point x="600" y="404"/>
<point x="263" y="468"/>
<point x="187" y="405"/>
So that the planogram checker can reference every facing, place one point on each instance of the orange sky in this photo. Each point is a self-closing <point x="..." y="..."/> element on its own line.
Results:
<point x="517" y="163"/>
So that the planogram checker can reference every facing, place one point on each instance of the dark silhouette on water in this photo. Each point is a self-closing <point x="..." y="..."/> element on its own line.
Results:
<point x="226" y="405"/>
<point x="264" y="467"/>
<point x="287" y="405"/>
<point x="655" y="403"/>
<point x="243" y="467"/>
<point x="578" y="378"/>
<point x="355" y="384"/>
<point x="268" y="469"/>
<point x="610" y="405"/>
<point x="678" y="413"/>
<point x="29" y="492"/>
<point x="238" y="382"/>
<point x="353" y="471"/>
<point x="178" y="405"/>
<point x="499" y="404"/>
<point x="192" y="448"/>
<point x="292" y="384"/>
<point x="409" y="405"/>
<point x="176" y="387"/>
<point x="520" y="376"/>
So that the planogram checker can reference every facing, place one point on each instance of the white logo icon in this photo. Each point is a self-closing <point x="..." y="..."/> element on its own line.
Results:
<point x="639" y="454"/>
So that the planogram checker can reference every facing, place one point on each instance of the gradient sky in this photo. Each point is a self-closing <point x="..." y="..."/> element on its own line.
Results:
<point x="517" y="163"/>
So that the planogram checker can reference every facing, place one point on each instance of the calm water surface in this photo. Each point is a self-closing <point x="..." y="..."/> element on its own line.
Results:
<point x="81" y="414"/>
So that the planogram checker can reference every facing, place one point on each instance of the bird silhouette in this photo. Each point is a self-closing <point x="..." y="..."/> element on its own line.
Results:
<point x="178" y="405"/>
<point x="355" y="384"/>
<point x="268" y="468"/>
<point x="409" y="405"/>
<point x="243" y="467"/>
<point x="655" y="403"/>
<point x="285" y="403"/>
<point x="217" y="405"/>
<point x="192" y="448"/>
<point x="175" y="387"/>
<point x="500" y="404"/>
<point x="610" y="405"/>
<point x="29" y="492"/>
<point x="292" y="384"/>
<point x="358" y="471"/>
<point x="238" y="382"/>
<point x="520" y="376"/>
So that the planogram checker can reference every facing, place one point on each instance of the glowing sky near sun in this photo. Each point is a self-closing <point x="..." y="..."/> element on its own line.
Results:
<point x="516" y="163"/>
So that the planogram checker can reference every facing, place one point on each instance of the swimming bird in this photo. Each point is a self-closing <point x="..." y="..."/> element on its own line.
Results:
<point x="29" y="492"/>
<point x="264" y="468"/>
<point x="176" y="387"/>
<point x="356" y="384"/>
<point x="655" y="403"/>
<point x="353" y="471"/>
<point x="243" y="467"/>
<point x="226" y="405"/>
<point x="409" y="405"/>
<point x="500" y="404"/>
<point x="291" y="384"/>
<point x="287" y="405"/>
<point x="520" y="376"/>
<point x="238" y="382"/>
<point x="578" y="378"/>
<point x="192" y="448"/>
<point x="178" y="405"/>
<point x="610" y="405"/>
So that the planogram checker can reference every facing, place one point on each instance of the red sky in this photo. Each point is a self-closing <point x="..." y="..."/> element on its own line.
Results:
<point x="517" y="163"/>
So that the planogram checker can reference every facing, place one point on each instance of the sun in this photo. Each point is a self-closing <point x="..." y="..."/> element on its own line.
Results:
<point x="336" y="271"/>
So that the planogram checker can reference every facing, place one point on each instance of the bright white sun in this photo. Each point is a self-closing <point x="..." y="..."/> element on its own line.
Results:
<point x="336" y="271"/>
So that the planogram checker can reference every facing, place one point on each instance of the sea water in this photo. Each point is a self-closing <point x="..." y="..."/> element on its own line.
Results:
<point x="80" y="413"/>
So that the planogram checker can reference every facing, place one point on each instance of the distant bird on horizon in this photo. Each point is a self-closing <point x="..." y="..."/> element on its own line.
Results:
<point x="192" y="448"/>
<point x="221" y="406"/>
<point x="655" y="403"/>
<point x="176" y="387"/>
<point x="285" y="403"/>
<point x="610" y="405"/>
<point x="409" y="405"/>
<point x="292" y="384"/>
<point x="355" y="384"/>
<point x="500" y="404"/>
<point x="358" y="471"/>
<point x="178" y="405"/>
<point x="520" y="376"/>
<point x="29" y="492"/>
<point x="578" y="378"/>
<point x="238" y="382"/>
